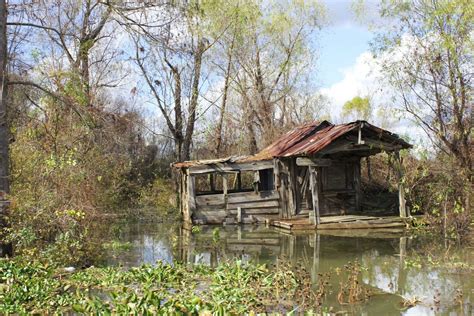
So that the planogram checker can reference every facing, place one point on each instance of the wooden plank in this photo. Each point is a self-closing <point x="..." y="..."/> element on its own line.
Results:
<point x="255" y="204"/>
<point x="210" y="208"/>
<point x="210" y="213"/>
<point x="292" y="187"/>
<point x="401" y="188"/>
<point x="315" y="162"/>
<point x="359" y="225"/>
<point x="254" y="211"/>
<point x="224" y="188"/>
<point x="212" y="182"/>
<point x="238" y="197"/>
<point x="214" y="199"/>
<point x="357" y="187"/>
<point x="239" y="215"/>
<point x="375" y="223"/>
<point x="315" y="192"/>
<point x="379" y="144"/>
<point x="281" y="182"/>
<point x="230" y="167"/>
<point x="191" y="195"/>
<point x="184" y="197"/>
<point x="344" y="218"/>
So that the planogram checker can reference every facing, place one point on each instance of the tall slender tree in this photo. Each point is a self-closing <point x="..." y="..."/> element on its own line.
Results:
<point x="4" y="130"/>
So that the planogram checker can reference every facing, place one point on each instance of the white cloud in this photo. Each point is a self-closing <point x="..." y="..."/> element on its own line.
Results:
<point x="364" y="78"/>
<point x="361" y="79"/>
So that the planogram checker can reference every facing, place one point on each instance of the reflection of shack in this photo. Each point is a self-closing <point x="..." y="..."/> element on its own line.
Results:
<point x="254" y="243"/>
<point x="308" y="178"/>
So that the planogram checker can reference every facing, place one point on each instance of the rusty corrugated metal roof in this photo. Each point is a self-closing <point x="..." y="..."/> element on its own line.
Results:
<point x="288" y="140"/>
<point x="311" y="138"/>
<point x="306" y="140"/>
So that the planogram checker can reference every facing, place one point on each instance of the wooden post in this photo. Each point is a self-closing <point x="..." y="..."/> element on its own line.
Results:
<point x="292" y="200"/>
<point x="401" y="188"/>
<point x="256" y="181"/>
<point x="224" y="188"/>
<point x="239" y="181"/>
<point x="191" y="197"/>
<point x="281" y="185"/>
<point x="358" y="193"/>
<point x="315" y="190"/>
<point x="239" y="215"/>
<point x="212" y="182"/>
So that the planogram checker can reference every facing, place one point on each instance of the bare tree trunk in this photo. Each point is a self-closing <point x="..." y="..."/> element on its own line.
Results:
<point x="5" y="249"/>
<point x="224" y="104"/>
<point x="252" y="138"/>
<point x="178" y="113"/>
<point x="194" y="100"/>
<point x="265" y="110"/>
<point x="4" y="133"/>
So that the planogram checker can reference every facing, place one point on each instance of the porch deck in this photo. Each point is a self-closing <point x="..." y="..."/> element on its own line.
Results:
<point x="341" y="222"/>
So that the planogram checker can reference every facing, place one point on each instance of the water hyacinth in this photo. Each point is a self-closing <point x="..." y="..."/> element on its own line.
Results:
<point x="232" y="287"/>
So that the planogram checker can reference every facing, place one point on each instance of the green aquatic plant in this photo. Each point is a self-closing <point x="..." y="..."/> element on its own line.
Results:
<point x="231" y="287"/>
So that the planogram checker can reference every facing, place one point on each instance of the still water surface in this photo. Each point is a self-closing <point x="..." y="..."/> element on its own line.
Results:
<point x="395" y="265"/>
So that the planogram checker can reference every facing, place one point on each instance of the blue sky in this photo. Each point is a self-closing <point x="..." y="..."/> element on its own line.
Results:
<point x="340" y="46"/>
<point x="346" y="67"/>
<point x="343" y="40"/>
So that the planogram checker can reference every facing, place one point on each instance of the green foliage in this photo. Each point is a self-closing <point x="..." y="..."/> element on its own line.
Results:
<point x="235" y="288"/>
<point x="68" y="170"/>
<point x="437" y="193"/>
<point x="357" y="109"/>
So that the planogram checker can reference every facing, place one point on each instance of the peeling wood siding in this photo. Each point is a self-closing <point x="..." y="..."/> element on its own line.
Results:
<point x="338" y="193"/>
<point x="213" y="209"/>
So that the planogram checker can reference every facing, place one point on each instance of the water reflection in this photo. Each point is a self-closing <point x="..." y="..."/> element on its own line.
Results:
<point x="390" y="261"/>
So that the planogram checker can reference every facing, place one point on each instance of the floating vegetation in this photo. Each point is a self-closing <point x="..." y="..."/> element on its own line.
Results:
<point x="234" y="288"/>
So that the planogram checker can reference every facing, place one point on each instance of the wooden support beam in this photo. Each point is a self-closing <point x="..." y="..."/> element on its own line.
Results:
<point x="225" y="188"/>
<point x="401" y="188"/>
<point x="239" y="215"/>
<point x="256" y="181"/>
<point x="357" y="187"/>
<point x="375" y="143"/>
<point x="281" y="184"/>
<point x="315" y="162"/>
<point x="191" y="195"/>
<point x="212" y="182"/>
<point x="239" y="181"/>
<point x="229" y="167"/>
<point x="292" y="188"/>
<point x="315" y="193"/>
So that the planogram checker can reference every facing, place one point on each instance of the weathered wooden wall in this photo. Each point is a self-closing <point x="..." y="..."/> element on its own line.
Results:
<point x="337" y="187"/>
<point x="220" y="208"/>
<point x="341" y="188"/>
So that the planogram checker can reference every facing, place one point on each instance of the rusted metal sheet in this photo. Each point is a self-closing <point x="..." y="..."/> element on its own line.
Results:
<point x="306" y="140"/>
<point x="289" y="140"/>
<point x="311" y="138"/>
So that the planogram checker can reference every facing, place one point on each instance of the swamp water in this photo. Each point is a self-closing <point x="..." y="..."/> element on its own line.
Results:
<point x="395" y="267"/>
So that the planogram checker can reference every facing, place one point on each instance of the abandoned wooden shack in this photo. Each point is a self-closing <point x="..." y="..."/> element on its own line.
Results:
<point x="310" y="178"/>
